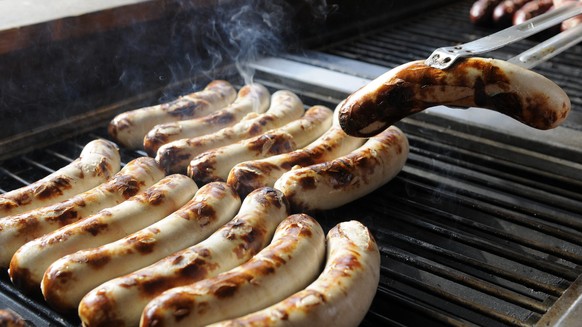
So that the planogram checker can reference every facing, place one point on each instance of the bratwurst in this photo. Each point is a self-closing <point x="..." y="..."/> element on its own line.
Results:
<point x="472" y="82"/>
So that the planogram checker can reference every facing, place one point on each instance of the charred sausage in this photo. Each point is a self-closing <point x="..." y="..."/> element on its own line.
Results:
<point x="341" y="295"/>
<point x="250" y="175"/>
<point x="472" y="82"/>
<point x="214" y="165"/>
<point x="285" y="107"/>
<point x="76" y="274"/>
<point x="106" y="226"/>
<point x="481" y="12"/>
<point x="15" y="231"/>
<point x="504" y="12"/>
<point x="334" y="183"/>
<point x="122" y="300"/>
<point x="129" y="128"/>
<point x="98" y="161"/>
<point x="290" y="263"/>
<point x="251" y="98"/>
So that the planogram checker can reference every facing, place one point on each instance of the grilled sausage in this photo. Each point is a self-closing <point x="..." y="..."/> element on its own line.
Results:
<point x="340" y="296"/>
<point x="531" y="10"/>
<point x="251" y="175"/>
<point x="121" y="301"/>
<point x="214" y="165"/>
<point x="481" y="12"/>
<point x="290" y="263"/>
<point x="135" y="177"/>
<point x="334" y="183"/>
<point x="76" y="274"/>
<point x="285" y="107"/>
<point x="106" y="226"/>
<point x="251" y="98"/>
<point x="503" y="12"/>
<point x="472" y="82"/>
<point x="129" y="128"/>
<point x="9" y="318"/>
<point x="98" y="161"/>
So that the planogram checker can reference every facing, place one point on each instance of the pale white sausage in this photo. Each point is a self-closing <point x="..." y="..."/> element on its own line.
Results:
<point x="290" y="263"/>
<point x="15" y="231"/>
<point x="214" y="165"/>
<point x="285" y="107"/>
<point x="121" y="301"/>
<point x="335" y="183"/>
<point x="106" y="226"/>
<point x="251" y="98"/>
<point x="130" y="127"/>
<point x="341" y="295"/>
<point x="98" y="161"/>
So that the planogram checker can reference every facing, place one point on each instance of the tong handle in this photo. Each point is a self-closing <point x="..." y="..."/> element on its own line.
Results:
<point x="443" y="58"/>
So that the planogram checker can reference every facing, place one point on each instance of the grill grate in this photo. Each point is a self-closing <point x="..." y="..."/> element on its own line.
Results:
<point x="473" y="231"/>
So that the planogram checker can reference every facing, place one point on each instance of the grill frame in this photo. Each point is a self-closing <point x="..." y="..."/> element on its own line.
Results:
<point x="449" y="160"/>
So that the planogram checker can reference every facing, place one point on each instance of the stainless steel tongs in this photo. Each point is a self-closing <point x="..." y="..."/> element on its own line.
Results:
<point x="443" y="58"/>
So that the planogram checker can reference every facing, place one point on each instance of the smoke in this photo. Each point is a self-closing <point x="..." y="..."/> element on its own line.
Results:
<point x="247" y="30"/>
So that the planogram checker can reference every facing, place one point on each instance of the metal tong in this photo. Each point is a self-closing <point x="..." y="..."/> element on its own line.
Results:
<point x="443" y="58"/>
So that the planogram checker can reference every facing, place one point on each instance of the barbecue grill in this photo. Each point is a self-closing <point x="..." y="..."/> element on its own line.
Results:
<point x="482" y="227"/>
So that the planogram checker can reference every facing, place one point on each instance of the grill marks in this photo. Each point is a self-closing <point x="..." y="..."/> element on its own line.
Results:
<point x="488" y="83"/>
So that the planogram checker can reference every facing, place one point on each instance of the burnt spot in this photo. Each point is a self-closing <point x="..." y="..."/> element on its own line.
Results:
<point x="201" y="211"/>
<point x="221" y="118"/>
<point x="173" y="156"/>
<point x="64" y="215"/>
<point x="202" y="168"/>
<point x="103" y="168"/>
<point x="22" y="278"/>
<point x="269" y="196"/>
<point x="94" y="226"/>
<point x="107" y="313"/>
<point x="27" y="225"/>
<point x="307" y="183"/>
<point x="120" y="123"/>
<point x="152" y="142"/>
<point x="184" y="107"/>
<point x="346" y="264"/>
<point x="153" y="196"/>
<point x="301" y="159"/>
<point x="97" y="259"/>
<point x="225" y="290"/>
<point x="126" y="185"/>
<point x="143" y="244"/>
<point x="272" y="144"/>
<point x="53" y="188"/>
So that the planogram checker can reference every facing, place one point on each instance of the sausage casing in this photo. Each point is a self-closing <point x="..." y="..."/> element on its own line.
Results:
<point x="472" y="82"/>
<point x="130" y="127"/>
<point x="340" y="296"/>
<point x="334" y="183"/>
<point x="76" y="274"/>
<point x="250" y="175"/>
<point x="215" y="165"/>
<point x="98" y="161"/>
<point x="290" y="263"/>
<point x="285" y="107"/>
<point x="15" y="231"/>
<point x="251" y="98"/>
<point x="107" y="225"/>
<point x="121" y="301"/>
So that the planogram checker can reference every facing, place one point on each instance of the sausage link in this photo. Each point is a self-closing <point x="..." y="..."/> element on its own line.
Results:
<point x="121" y="301"/>
<point x="290" y="263"/>
<point x="531" y="10"/>
<point x="251" y="98"/>
<point x="481" y="12"/>
<point x="15" y="231"/>
<point x="98" y="161"/>
<point x="472" y="82"/>
<point x="285" y="107"/>
<point x="250" y="175"/>
<point x="504" y="12"/>
<point x="215" y="164"/>
<point x="76" y="274"/>
<point x="341" y="295"/>
<point x="334" y="183"/>
<point x="129" y="128"/>
<point x="106" y="226"/>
